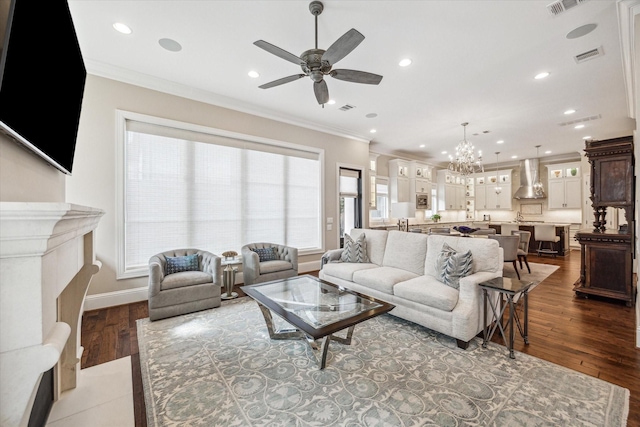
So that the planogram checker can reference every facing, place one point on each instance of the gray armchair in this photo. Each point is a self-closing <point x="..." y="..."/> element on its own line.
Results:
<point x="185" y="291"/>
<point x="284" y="263"/>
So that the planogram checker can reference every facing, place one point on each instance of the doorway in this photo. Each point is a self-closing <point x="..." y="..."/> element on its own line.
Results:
<point x="350" y="202"/>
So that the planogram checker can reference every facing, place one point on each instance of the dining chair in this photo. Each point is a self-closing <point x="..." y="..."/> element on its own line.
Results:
<point x="439" y="230"/>
<point x="509" y="245"/>
<point x="523" y="247"/>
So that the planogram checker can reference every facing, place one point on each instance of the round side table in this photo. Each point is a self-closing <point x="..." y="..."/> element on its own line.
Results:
<point x="229" y="276"/>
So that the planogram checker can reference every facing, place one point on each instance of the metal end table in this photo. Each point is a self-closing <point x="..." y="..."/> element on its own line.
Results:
<point x="229" y="276"/>
<point x="509" y="288"/>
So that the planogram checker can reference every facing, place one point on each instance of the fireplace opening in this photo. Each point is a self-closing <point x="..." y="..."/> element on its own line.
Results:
<point x="43" y="401"/>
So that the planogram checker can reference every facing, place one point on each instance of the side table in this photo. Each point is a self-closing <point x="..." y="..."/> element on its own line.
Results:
<point x="229" y="276"/>
<point x="508" y="288"/>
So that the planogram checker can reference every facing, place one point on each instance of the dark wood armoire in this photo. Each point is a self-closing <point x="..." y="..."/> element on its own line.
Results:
<point x="606" y="267"/>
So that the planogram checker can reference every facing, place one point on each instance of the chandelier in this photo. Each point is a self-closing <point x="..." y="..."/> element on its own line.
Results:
<point x="465" y="162"/>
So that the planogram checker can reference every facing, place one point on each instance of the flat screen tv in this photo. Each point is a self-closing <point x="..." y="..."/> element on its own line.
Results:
<point x="42" y="78"/>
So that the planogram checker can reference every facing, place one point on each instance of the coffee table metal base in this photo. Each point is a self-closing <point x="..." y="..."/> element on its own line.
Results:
<point x="319" y="351"/>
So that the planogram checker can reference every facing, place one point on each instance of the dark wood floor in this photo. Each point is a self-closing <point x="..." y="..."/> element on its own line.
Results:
<point x="593" y="336"/>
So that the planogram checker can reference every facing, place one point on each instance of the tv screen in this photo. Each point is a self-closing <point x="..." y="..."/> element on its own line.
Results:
<point x="42" y="79"/>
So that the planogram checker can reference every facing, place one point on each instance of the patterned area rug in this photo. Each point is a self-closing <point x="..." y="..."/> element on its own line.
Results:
<point x="219" y="368"/>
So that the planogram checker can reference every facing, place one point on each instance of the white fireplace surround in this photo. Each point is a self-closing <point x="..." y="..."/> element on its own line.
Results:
<point x="47" y="259"/>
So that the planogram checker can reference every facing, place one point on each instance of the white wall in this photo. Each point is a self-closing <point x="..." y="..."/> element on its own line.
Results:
<point x="93" y="181"/>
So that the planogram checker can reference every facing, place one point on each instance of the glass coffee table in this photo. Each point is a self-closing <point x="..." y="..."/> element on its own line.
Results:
<point x="316" y="309"/>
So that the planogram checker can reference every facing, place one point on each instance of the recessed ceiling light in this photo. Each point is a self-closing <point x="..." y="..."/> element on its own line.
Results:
<point x="170" y="45"/>
<point x="514" y="157"/>
<point x="405" y="62"/>
<point x="580" y="126"/>
<point x="500" y="142"/>
<point x="253" y="74"/>
<point x="331" y="101"/>
<point x="422" y="145"/>
<point x="547" y="152"/>
<point x="571" y="111"/>
<point x="373" y="131"/>
<point x="586" y="137"/>
<point x="122" y="28"/>
<point x="541" y="75"/>
<point x="444" y="152"/>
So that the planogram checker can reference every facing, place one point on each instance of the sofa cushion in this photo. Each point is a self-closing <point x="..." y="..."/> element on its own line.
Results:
<point x="406" y="251"/>
<point x="376" y="242"/>
<point x="452" y="265"/>
<point x="185" y="278"/>
<point x="176" y="264"/>
<point x="273" y="266"/>
<point x="382" y="278"/>
<point x="345" y="270"/>
<point x="355" y="250"/>
<point x="486" y="253"/>
<point x="428" y="291"/>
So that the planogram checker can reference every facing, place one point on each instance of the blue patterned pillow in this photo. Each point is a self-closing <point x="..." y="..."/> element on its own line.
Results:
<point x="451" y="266"/>
<point x="182" y="263"/>
<point x="266" y="254"/>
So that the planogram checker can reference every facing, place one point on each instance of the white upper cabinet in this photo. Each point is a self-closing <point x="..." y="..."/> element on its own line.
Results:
<point x="565" y="187"/>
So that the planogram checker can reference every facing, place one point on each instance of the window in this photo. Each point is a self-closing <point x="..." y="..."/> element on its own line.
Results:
<point x="381" y="212"/>
<point x="212" y="190"/>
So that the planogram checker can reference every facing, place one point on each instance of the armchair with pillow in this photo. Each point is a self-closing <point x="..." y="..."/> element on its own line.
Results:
<point x="263" y="262"/>
<point x="183" y="281"/>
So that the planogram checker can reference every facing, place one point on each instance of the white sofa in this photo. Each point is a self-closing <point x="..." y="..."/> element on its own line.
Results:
<point x="402" y="271"/>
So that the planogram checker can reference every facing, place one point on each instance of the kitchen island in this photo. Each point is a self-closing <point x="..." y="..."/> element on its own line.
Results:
<point x="562" y="231"/>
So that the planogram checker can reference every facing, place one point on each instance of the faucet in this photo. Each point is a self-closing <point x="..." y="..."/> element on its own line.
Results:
<point x="519" y="217"/>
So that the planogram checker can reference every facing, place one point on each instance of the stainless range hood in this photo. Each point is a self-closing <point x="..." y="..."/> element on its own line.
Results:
<point x="529" y="175"/>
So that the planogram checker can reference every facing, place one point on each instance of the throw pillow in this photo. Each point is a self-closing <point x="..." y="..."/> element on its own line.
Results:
<point x="182" y="263"/>
<point x="354" y="250"/>
<point x="451" y="266"/>
<point x="266" y="254"/>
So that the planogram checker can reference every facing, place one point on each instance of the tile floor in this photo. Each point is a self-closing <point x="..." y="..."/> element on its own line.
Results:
<point x="103" y="398"/>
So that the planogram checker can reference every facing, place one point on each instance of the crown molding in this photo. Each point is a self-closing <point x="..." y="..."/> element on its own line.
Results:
<point x="147" y="81"/>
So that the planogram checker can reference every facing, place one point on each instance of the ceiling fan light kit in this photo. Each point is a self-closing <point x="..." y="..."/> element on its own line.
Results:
<point x="317" y="63"/>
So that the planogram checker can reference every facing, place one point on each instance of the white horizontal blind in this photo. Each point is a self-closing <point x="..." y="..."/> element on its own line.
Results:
<point x="214" y="193"/>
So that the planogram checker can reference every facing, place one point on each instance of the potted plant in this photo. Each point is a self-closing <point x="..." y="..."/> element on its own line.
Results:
<point x="435" y="217"/>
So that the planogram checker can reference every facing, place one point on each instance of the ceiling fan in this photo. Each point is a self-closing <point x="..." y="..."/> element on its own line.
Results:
<point x="316" y="63"/>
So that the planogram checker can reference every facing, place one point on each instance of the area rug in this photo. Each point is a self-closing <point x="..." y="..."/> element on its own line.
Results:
<point x="219" y="368"/>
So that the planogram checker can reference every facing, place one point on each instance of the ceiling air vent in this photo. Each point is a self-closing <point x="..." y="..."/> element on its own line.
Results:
<point x="582" y="120"/>
<point x="557" y="7"/>
<point x="347" y="107"/>
<point x="590" y="54"/>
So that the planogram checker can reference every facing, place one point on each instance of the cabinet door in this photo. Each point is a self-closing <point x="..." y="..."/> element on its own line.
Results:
<point x="556" y="194"/>
<point x="403" y="189"/>
<point x="450" y="197"/>
<point x="491" y="197"/>
<point x="504" y="198"/>
<point x="572" y="199"/>
<point x="423" y="186"/>
<point x="481" y="198"/>
<point x="460" y="197"/>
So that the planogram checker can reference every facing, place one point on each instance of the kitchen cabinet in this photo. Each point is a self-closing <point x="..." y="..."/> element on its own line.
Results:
<point x="565" y="187"/>
<point x="486" y="197"/>
<point x="422" y="186"/>
<point x="451" y="191"/>
<point x="399" y="188"/>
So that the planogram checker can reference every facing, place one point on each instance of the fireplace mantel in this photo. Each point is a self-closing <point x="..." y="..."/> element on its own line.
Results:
<point x="47" y="260"/>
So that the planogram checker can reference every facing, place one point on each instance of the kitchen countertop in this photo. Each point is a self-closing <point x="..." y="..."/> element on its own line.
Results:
<point x="528" y="223"/>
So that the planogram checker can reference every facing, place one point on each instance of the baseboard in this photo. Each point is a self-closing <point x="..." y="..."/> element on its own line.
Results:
<point x="112" y="299"/>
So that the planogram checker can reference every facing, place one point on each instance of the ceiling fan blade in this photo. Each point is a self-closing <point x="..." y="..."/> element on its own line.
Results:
<point x="355" y="76"/>
<point x="282" y="81"/>
<point x="322" y="92"/>
<point x="343" y="46"/>
<point x="275" y="50"/>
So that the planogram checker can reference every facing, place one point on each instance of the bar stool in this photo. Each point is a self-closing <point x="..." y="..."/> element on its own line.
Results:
<point x="546" y="234"/>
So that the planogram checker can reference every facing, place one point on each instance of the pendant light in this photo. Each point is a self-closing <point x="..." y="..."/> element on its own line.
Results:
<point x="537" y="184"/>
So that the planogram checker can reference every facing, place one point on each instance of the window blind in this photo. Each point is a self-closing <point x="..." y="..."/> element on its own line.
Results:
<point x="187" y="189"/>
